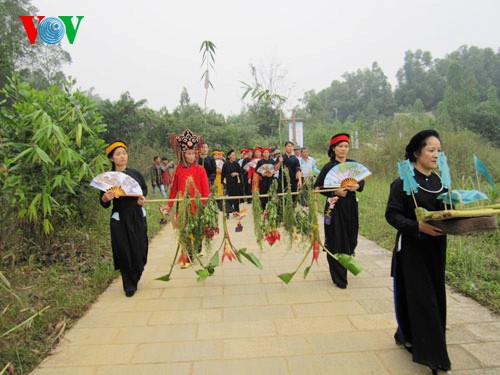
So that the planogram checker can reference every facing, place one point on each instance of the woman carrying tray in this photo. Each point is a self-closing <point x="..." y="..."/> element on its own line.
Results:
<point x="418" y="263"/>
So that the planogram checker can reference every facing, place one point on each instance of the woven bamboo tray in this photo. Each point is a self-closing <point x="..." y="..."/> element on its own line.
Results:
<point x="463" y="226"/>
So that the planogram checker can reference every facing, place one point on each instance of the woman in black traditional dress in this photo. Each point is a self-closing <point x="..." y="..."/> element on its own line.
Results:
<point x="418" y="262"/>
<point x="267" y="178"/>
<point x="232" y="175"/>
<point x="341" y="211"/>
<point x="129" y="229"/>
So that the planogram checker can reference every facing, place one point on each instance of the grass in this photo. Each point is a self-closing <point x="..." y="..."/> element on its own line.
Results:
<point x="473" y="261"/>
<point x="64" y="285"/>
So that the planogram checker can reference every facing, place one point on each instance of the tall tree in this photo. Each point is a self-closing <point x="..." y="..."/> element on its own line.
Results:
<point x="418" y="79"/>
<point x="460" y="96"/>
<point x="39" y="64"/>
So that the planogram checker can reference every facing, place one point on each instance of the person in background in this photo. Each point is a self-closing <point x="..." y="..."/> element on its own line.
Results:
<point x="231" y="177"/>
<point x="296" y="151"/>
<point x="292" y="164"/>
<point x="307" y="164"/>
<point x="208" y="162"/>
<point x="247" y="185"/>
<point x="155" y="174"/>
<point x="166" y="168"/>
<point x="309" y="172"/>
<point x="218" y="187"/>
<point x="341" y="221"/>
<point x="419" y="258"/>
<point x="128" y="224"/>
<point x="267" y="178"/>
<point x="252" y="176"/>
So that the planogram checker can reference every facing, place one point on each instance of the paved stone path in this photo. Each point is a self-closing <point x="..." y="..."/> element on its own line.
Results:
<point x="244" y="320"/>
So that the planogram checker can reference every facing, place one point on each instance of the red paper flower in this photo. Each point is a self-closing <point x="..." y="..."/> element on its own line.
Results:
<point x="183" y="258"/>
<point x="228" y="253"/>
<point x="273" y="236"/>
<point x="316" y="249"/>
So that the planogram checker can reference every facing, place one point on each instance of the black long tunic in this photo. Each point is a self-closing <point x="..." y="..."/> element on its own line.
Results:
<point x="129" y="234"/>
<point x="233" y="184"/>
<point x="418" y="270"/>
<point x="264" y="181"/>
<point x="341" y="235"/>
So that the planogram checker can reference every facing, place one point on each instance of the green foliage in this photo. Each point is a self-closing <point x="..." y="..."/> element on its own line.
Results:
<point x="208" y="61"/>
<point x="50" y="150"/>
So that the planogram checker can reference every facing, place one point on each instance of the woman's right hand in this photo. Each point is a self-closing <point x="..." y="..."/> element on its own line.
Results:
<point x="341" y="193"/>
<point x="428" y="229"/>
<point x="108" y="195"/>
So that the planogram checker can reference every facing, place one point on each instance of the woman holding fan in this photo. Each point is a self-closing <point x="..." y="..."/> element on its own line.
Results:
<point x="341" y="211"/>
<point x="128" y="225"/>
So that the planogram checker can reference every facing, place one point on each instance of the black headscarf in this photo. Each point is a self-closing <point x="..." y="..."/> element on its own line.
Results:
<point x="418" y="142"/>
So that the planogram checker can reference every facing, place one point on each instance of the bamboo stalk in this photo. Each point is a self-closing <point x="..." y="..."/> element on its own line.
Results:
<point x="424" y="215"/>
<point x="226" y="197"/>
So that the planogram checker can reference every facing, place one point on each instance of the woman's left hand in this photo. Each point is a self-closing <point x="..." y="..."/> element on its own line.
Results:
<point x="141" y="200"/>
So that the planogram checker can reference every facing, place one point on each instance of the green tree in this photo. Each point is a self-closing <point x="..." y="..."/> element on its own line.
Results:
<point x="460" y="96"/>
<point x="38" y="63"/>
<point x="50" y="147"/>
<point x="419" y="79"/>
<point x="122" y="118"/>
<point x="485" y="119"/>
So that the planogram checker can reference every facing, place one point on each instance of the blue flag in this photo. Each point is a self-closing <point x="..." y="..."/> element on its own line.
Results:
<point x="481" y="169"/>
<point x="406" y="173"/>
<point x="445" y="170"/>
<point x="462" y="196"/>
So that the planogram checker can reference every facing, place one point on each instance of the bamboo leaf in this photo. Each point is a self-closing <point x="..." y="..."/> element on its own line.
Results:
<point x="251" y="258"/>
<point x="306" y="271"/>
<point x="214" y="261"/>
<point x="286" y="277"/>
<point x="165" y="277"/>
<point x="202" y="274"/>
<point x="43" y="155"/>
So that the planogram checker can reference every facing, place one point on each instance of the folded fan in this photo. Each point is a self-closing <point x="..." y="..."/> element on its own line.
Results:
<point x="266" y="168"/>
<point x="121" y="183"/>
<point x="346" y="174"/>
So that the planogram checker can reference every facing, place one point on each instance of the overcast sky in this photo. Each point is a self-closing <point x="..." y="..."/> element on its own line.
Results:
<point x="151" y="47"/>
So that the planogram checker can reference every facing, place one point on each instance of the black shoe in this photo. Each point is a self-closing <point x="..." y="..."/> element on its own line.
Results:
<point x="406" y="345"/>
<point x="341" y="286"/>
<point x="130" y="292"/>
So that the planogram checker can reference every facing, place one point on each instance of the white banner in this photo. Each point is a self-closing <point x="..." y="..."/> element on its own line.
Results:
<point x="296" y="133"/>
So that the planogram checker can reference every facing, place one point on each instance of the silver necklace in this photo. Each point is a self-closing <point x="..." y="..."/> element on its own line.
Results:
<point x="432" y="191"/>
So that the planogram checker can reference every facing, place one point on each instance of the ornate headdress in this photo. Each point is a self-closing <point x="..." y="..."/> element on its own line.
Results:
<point x="186" y="141"/>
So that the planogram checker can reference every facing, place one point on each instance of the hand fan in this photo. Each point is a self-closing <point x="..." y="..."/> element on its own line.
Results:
<point x="219" y="164"/>
<point x="252" y="163"/>
<point x="266" y="168"/>
<point x="121" y="183"/>
<point x="346" y="174"/>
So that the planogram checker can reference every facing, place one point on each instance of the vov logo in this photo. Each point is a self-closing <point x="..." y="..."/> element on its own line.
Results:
<point x="51" y="30"/>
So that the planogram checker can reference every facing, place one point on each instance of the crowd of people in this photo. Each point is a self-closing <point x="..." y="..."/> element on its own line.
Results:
<point x="419" y="256"/>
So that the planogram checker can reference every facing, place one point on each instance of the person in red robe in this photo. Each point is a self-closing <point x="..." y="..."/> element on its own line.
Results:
<point x="189" y="175"/>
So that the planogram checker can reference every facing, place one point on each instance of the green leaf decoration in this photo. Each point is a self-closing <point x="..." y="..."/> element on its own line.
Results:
<point x="251" y="258"/>
<point x="202" y="274"/>
<point x="286" y="277"/>
<point x="214" y="261"/>
<point x="165" y="277"/>
<point x="349" y="263"/>
<point x="306" y="271"/>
